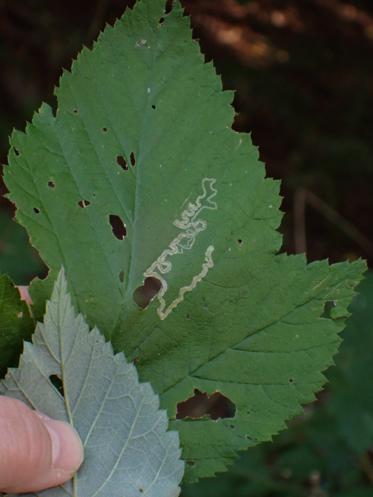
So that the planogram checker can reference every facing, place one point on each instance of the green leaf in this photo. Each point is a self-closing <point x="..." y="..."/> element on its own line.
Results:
<point x="352" y="399"/>
<point x="143" y="136"/>
<point x="127" y="449"/>
<point x="15" y="324"/>
<point x="17" y="258"/>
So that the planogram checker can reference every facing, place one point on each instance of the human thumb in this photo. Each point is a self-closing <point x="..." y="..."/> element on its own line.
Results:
<point x="36" y="452"/>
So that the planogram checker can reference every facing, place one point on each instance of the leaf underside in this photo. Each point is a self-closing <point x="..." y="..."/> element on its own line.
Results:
<point x="143" y="136"/>
<point x="127" y="449"/>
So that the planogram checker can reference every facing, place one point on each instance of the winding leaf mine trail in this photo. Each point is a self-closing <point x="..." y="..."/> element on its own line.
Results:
<point x="191" y="225"/>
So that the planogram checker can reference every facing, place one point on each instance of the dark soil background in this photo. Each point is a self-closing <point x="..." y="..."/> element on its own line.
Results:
<point x="303" y="71"/>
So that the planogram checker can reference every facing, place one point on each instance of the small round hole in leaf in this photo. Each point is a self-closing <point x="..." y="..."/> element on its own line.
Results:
<point x="84" y="203"/>
<point x="36" y="210"/>
<point x="51" y="184"/>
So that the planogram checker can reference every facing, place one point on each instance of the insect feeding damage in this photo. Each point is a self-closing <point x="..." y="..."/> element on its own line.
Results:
<point x="191" y="225"/>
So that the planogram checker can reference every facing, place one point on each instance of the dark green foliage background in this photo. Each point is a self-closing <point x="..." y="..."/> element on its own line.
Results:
<point x="303" y="73"/>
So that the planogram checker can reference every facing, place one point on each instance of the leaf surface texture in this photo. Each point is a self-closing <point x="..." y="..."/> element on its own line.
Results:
<point x="140" y="182"/>
<point x="127" y="448"/>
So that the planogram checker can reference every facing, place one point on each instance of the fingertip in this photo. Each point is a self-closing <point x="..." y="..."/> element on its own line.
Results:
<point x="24" y="294"/>
<point x="36" y="452"/>
<point x="67" y="448"/>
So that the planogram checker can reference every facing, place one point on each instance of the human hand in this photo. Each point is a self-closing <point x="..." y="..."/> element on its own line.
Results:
<point x="36" y="452"/>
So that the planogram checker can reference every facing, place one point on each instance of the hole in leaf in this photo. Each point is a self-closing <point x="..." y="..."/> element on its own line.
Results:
<point x="118" y="227"/>
<point x="154" y="107"/>
<point x="17" y="152"/>
<point x="169" y="5"/>
<point x="121" y="161"/>
<point x="146" y="293"/>
<point x="133" y="159"/>
<point x="253" y="439"/>
<point x="75" y="111"/>
<point x="104" y="130"/>
<point x="291" y="380"/>
<point x="84" y="203"/>
<point x="329" y="305"/>
<point x="51" y="184"/>
<point x="239" y="241"/>
<point x="36" y="210"/>
<point x="57" y="383"/>
<point x="121" y="276"/>
<point x="161" y="20"/>
<point x="201" y="405"/>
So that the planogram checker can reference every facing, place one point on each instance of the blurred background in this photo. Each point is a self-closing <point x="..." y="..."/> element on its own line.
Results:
<point x="303" y="75"/>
